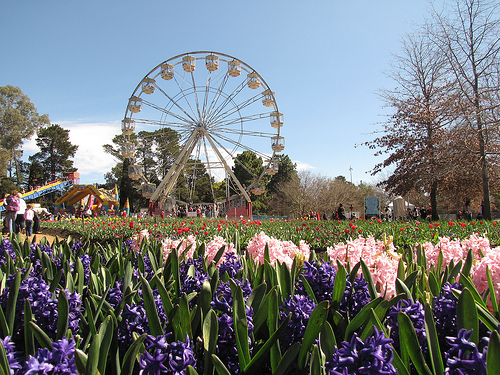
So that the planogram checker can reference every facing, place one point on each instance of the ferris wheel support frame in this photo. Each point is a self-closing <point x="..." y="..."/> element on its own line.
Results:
<point x="226" y="167"/>
<point x="167" y="184"/>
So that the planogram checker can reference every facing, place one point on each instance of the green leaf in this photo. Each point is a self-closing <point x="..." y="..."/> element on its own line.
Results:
<point x="467" y="316"/>
<point x="487" y="318"/>
<point x="373" y="321"/>
<point x="55" y="282"/>
<point x="256" y="297"/>
<point x="205" y="297"/>
<point x="63" y="314"/>
<point x="4" y="327"/>
<point x="288" y="359"/>
<point x="409" y="344"/>
<point x="433" y="341"/>
<point x="240" y="325"/>
<point x="308" y="288"/>
<point x="219" y="366"/>
<point x="210" y="334"/>
<point x="272" y="324"/>
<point x="174" y="263"/>
<point x="468" y="264"/>
<point x="131" y="354"/>
<point x="106" y="332"/>
<point x="454" y="272"/>
<point x="41" y="336"/>
<point x="401" y="287"/>
<point x="398" y="364"/>
<point x="165" y="298"/>
<point x="219" y="254"/>
<point x="150" y="307"/>
<point x="12" y="301"/>
<point x="260" y="315"/>
<point x="401" y="270"/>
<point x="368" y="277"/>
<point x="29" y="339"/>
<point x="284" y="280"/>
<point x="433" y="284"/>
<point x="80" y="361"/>
<point x="493" y="355"/>
<point x="313" y="328"/>
<point x="315" y="365"/>
<point x="467" y="283"/>
<point x="339" y="287"/>
<point x="361" y="318"/>
<point x="492" y="292"/>
<point x="327" y="340"/>
<point x="4" y="361"/>
<point x="354" y="272"/>
<point x="252" y="366"/>
<point x="93" y="357"/>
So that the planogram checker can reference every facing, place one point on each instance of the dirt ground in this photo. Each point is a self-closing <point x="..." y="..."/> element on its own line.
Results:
<point x="50" y="234"/>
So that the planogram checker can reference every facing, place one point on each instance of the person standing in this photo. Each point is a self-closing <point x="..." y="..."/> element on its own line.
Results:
<point x="20" y="214"/>
<point x="29" y="214"/>
<point x="11" y="208"/>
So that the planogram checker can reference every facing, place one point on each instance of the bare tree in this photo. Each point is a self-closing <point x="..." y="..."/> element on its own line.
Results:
<point x="414" y="136"/>
<point x="311" y="191"/>
<point x="469" y="37"/>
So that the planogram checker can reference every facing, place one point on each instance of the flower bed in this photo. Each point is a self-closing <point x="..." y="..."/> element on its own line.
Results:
<point x="317" y="234"/>
<point x="245" y="299"/>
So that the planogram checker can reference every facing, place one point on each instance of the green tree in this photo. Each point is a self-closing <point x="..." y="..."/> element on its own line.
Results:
<point x="56" y="151"/>
<point x="154" y="153"/>
<point x="247" y="167"/>
<point x="287" y="171"/>
<point x="36" y="174"/>
<point x="19" y="120"/>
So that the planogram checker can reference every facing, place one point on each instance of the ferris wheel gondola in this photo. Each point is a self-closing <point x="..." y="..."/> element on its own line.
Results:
<point x="218" y="105"/>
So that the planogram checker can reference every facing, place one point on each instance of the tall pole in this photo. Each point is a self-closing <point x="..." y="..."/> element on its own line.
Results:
<point x="350" y="171"/>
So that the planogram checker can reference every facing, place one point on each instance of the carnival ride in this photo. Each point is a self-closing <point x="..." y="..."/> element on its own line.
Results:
<point x="217" y="111"/>
<point x="58" y="185"/>
<point x="97" y="199"/>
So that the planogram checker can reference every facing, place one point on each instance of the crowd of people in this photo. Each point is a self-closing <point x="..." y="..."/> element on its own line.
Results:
<point x="20" y="217"/>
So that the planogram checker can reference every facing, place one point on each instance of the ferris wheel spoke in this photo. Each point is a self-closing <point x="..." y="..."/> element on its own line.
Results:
<point x="184" y="96"/>
<point x="243" y="132"/>
<point x="227" y="100"/>
<point x="167" y="112"/>
<point x="237" y="108"/>
<point x="196" y="95"/>
<point x="175" y="102"/>
<point x="238" y="145"/>
<point x="239" y="120"/>
<point x="169" y="124"/>
<point x="213" y="109"/>
<point x="218" y="92"/>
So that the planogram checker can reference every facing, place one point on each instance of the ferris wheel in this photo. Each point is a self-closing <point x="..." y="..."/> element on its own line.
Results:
<point x="218" y="106"/>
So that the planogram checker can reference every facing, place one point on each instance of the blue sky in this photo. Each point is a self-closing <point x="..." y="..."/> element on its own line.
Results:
<point x="80" y="61"/>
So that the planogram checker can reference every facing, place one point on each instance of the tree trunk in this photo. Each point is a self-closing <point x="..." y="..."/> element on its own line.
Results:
<point x="484" y="173"/>
<point x="434" y="205"/>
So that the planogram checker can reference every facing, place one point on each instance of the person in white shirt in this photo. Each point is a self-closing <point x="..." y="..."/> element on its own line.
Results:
<point x="29" y="214"/>
<point x="20" y="214"/>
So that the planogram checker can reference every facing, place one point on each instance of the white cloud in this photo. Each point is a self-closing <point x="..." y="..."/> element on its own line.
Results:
<point x="90" y="158"/>
<point x="301" y="166"/>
